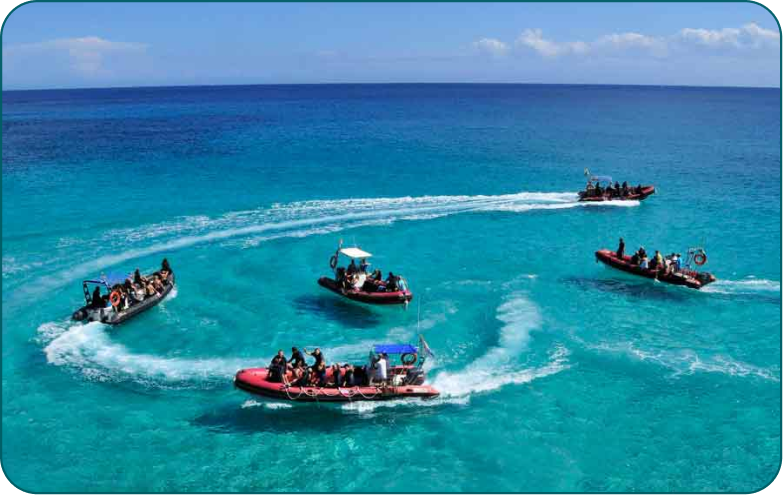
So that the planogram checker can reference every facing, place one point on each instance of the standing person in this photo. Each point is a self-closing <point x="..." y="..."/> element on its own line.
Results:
<point x="97" y="300"/>
<point x="363" y="266"/>
<point x="137" y="277"/>
<point x="621" y="249"/>
<point x="277" y="368"/>
<point x="659" y="260"/>
<point x="678" y="262"/>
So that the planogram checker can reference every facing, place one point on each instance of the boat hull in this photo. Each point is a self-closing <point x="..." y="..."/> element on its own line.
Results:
<point x="111" y="317"/>
<point x="379" y="298"/>
<point x="254" y="381"/>
<point x="693" y="280"/>
<point x="647" y="191"/>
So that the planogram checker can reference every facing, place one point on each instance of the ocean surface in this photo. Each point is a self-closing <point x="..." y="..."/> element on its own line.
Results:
<point x="556" y="373"/>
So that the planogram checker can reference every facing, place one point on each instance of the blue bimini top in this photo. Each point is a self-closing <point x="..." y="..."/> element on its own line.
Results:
<point x="394" y="349"/>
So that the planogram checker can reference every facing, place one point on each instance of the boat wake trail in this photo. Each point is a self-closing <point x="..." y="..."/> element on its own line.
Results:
<point x="298" y="219"/>
<point x="88" y="349"/>
<point x="749" y="285"/>
<point x="687" y="362"/>
<point x="497" y="368"/>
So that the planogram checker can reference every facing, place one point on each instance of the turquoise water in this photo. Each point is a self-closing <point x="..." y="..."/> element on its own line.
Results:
<point x="556" y="374"/>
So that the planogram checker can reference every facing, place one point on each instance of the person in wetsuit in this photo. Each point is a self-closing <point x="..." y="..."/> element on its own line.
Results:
<point x="348" y="378"/>
<point x="297" y="359"/>
<point x="336" y="375"/>
<point x="318" y="355"/>
<point x="97" y="301"/>
<point x="277" y="368"/>
<point x="621" y="249"/>
<point x="137" y="278"/>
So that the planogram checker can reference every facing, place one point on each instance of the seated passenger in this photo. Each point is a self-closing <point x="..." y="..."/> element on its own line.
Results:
<point x="302" y="377"/>
<point x="635" y="259"/>
<point x="625" y="188"/>
<point x="363" y="266"/>
<point x="351" y="268"/>
<point x="150" y="290"/>
<point x="391" y="282"/>
<point x="335" y="381"/>
<point x="658" y="261"/>
<point x="639" y="189"/>
<point x="377" y="275"/>
<point x="348" y="378"/>
<point x="643" y="263"/>
<point x="320" y="374"/>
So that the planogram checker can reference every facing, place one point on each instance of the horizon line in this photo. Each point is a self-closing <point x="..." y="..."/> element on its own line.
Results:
<point x="156" y="86"/>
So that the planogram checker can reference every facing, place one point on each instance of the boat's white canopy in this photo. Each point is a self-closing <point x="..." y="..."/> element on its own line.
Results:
<point x="353" y="252"/>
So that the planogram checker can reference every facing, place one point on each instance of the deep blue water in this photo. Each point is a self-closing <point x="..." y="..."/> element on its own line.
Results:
<point x="556" y="374"/>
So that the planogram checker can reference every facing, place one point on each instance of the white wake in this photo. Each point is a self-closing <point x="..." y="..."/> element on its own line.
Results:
<point x="298" y="219"/>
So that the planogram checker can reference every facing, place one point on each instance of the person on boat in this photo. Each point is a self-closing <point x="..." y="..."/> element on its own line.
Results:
<point x="97" y="299"/>
<point x="335" y="382"/>
<point x="625" y="188"/>
<point x="302" y="377"/>
<point x="391" y="282"/>
<point x="137" y="279"/>
<point x="363" y="266"/>
<point x="609" y="190"/>
<point x="156" y="282"/>
<point x="150" y="290"/>
<point x="678" y="262"/>
<point x="165" y="267"/>
<point x="639" y="189"/>
<point x="643" y="262"/>
<point x="377" y="275"/>
<point x="318" y="355"/>
<point x="277" y="368"/>
<point x="378" y="369"/>
<point x="297" y="359"/>
<point x="351" y="268"/>
<point x="348" y="378"/>
<point x="598" y="190"/>
<point x="589" y="188"/>
<point x="621" y="249"/>
<point x="617" y="188"/>
<point x="658" y="260"/>
<point x="320" y="374"/>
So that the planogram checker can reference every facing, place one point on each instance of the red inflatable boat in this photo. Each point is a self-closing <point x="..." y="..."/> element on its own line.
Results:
<point x="355" y="282"/>
<point x="402" y="381"/>
<point x="686" y="277"/>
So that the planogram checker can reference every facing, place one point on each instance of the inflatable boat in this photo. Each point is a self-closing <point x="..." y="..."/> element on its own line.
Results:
<point x="356" y="283"/>
<point x="402" y="381"/>
<point x="634" y="194"/>
<point x="599" y="189"/>
<point x="685" y="277"/>
<point x="113" y="307"/>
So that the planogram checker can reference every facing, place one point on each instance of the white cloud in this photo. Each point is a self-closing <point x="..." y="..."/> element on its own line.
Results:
<point x="491" y="46"/>
<point x="749" y="36"/>
<point x="87" y="55"/>
<point x="534" y="39"/>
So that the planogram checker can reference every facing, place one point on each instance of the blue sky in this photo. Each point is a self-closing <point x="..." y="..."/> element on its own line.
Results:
<point x="49" y="45"/>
